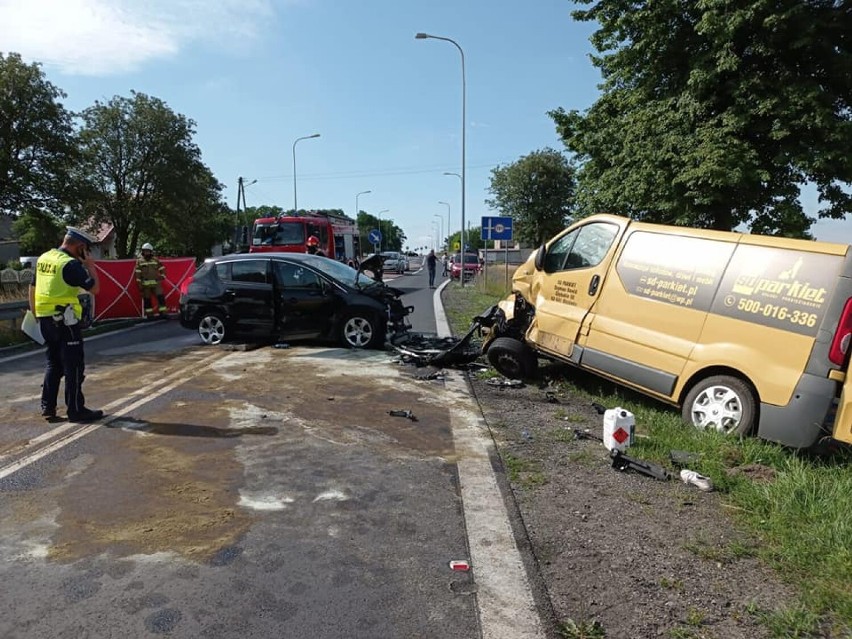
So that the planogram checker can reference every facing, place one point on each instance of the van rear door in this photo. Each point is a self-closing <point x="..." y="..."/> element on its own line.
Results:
<point x="575" y="266"/>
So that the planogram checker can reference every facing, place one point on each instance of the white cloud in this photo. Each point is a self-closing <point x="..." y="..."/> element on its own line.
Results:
<point x="103" y="37"/>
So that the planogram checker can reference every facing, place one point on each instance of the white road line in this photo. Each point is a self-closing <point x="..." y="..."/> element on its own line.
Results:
<point x="506" y="606"/>
<point x="25" y="461"/>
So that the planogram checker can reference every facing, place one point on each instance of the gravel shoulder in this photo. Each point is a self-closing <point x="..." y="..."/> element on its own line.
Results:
<point x="617" y="552"/>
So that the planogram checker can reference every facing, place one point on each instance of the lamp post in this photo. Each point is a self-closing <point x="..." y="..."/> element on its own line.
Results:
<point x="382" y="240"/>
<point x="357" y="195"/>
<point x="449" y="228"/>
<point x="424" y="36"/>
<point x="295" y="202"/>
<point x="441" y="240"/>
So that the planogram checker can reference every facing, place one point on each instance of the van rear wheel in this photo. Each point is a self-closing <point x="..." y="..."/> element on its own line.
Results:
<point x="512" y="358"/>
<point x="722" y="403"/>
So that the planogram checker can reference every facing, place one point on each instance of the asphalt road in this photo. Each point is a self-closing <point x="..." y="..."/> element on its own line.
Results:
<point x="260" y="493"/>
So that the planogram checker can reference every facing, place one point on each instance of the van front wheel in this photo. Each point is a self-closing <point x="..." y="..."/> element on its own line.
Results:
<point x="721" y="403"/>
<point x="512" y="358"/>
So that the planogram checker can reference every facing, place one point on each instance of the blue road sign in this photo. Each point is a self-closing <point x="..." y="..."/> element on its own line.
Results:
<point x="375" y="236"/>
<point x="496" y="228"/>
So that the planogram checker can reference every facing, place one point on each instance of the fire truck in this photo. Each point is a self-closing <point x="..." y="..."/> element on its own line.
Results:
<point x="337" y="234"/>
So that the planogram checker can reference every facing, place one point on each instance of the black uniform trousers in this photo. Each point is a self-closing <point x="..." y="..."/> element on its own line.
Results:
<point x="64" y="357"/>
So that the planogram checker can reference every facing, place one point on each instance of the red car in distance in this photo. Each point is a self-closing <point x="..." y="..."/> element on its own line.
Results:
<point x="471" y="266"/>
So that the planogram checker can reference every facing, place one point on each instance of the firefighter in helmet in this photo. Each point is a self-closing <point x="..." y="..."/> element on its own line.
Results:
<point x="150" y="273"/>
<point x="313" y="246"/>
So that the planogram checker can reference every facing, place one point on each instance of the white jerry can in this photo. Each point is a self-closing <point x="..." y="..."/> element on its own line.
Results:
<point x="618" y="428"/>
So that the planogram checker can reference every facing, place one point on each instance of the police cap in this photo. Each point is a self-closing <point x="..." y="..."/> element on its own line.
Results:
<point x="80" y="236"/>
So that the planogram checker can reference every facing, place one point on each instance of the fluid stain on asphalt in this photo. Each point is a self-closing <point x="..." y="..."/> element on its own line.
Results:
<point x="191" y="430"/>
<point x="153" y="494"/>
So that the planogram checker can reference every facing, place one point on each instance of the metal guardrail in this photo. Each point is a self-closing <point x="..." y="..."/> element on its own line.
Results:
<point x="13" y="310"/>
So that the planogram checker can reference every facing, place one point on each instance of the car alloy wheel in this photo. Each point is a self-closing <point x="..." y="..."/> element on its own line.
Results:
<point x="358" y="331"/>
<point x="211" y="328"/>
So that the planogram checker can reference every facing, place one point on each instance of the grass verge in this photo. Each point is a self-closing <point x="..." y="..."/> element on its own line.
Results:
<point x="797" y="506"/>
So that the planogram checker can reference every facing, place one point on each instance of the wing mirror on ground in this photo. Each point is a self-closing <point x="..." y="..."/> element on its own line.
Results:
<point x="539" y="258"/>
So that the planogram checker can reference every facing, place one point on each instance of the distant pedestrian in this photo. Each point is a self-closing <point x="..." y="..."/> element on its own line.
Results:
<point x="59" y="276"/>
<point x="445" y="261"/>
<point x="431" y="264"/>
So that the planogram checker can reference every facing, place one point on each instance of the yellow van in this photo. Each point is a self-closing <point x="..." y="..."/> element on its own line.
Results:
<point x="745" y="333"/>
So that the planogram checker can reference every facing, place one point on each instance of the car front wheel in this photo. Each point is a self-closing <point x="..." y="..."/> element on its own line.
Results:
<point x="512" y="358"/>
<point x="211" y="328"/>
<point x="360" y="330"/>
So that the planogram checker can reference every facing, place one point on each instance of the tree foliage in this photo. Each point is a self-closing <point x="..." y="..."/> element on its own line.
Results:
<point x="714" y="113"/>
<point x="142" y="173"/>
<point x="537" y="191"/>
<point x="37" y="231"/>
<point x="393" y="237"/>
<point x="36" y="145"/>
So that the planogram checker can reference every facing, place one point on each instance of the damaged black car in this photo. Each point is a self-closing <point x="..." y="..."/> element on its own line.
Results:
<point x="290" y="296"/>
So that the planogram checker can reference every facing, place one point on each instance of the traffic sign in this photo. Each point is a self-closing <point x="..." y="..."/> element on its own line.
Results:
<point x="375" y="236"/>
<point x="496" y="228"/>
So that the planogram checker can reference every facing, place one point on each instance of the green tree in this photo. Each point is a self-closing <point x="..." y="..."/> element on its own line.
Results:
<point x="36" y="147"/>
<point x="537" y="191"/>
<point x="393" y="236"/>
<point x="38" y="231"/>
<point x="142" y="172"/>
<point x="714" y="113"/>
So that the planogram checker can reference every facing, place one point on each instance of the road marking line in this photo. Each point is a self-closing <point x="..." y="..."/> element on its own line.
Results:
<point x="506" y="606"/>
<point x="63" y="441"/>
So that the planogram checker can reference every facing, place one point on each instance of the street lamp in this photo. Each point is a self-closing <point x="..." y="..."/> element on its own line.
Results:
<point x="356" y="201"/>
<point x="382" y="235"/>
<point x="295" y="203"/>
<point x="440" y="217"/>
<point x="449" y="228"/>
<point x="424" y="36"/>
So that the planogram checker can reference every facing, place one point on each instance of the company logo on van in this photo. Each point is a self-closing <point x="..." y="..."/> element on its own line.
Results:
<point x="792" y="291"/>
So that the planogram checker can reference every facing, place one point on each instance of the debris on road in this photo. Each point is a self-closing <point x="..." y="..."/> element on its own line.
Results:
<point x="403" y="413"/>
<point x="622" y="462"/>
<point x="502" y="382"/>
<point x="461" y="565"/>
<point x="694" y="479"/>
<point x="282" y="345"/>
<point x="600" y="408"/>
<point x="586" y="434"/>
<point x="550" y="397"/>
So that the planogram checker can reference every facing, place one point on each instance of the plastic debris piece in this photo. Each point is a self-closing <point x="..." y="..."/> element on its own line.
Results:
<point x="551" y="398"/>
<point x="502" y="382"/>
<point x="403" y="413"/>
<point x="600" y="408"/>
<point x="461" y="565"/>
<point x="282" y="345"/>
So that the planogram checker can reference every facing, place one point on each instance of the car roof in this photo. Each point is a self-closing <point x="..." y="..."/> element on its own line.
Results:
<point x="241" y="257"/>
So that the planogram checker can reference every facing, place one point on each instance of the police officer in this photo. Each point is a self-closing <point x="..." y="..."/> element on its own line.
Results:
<point x="150" y="274"/>
<point x="60" y="274"/>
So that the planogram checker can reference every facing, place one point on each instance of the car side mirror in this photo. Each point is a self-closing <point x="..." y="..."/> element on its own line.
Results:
<point x="539" y="257"/>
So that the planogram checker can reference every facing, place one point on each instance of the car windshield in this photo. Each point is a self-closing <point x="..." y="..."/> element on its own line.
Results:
<point x="339" y="271"/>
<point x="278" y="234"/>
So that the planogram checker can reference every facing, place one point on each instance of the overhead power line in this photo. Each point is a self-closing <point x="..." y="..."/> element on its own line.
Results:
<point x="343" y="175"/>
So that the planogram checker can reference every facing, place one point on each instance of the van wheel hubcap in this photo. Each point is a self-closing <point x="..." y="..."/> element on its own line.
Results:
<point x="358" y="332"/>
<point x="717" y="407"/>
<point x="211" y="329"/>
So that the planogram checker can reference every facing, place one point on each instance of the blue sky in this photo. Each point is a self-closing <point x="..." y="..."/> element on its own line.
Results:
<point x="257" y="74"/>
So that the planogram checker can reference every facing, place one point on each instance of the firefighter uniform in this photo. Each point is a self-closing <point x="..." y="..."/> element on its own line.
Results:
<point x="150" y="272"/>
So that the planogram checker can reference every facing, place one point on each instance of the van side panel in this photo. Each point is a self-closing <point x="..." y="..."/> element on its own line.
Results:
<point x="652" y="308"/>
<point x="767" y="322"/>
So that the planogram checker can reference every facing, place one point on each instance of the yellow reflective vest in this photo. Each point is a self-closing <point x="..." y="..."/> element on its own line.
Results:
<point x="50" y="288"/>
